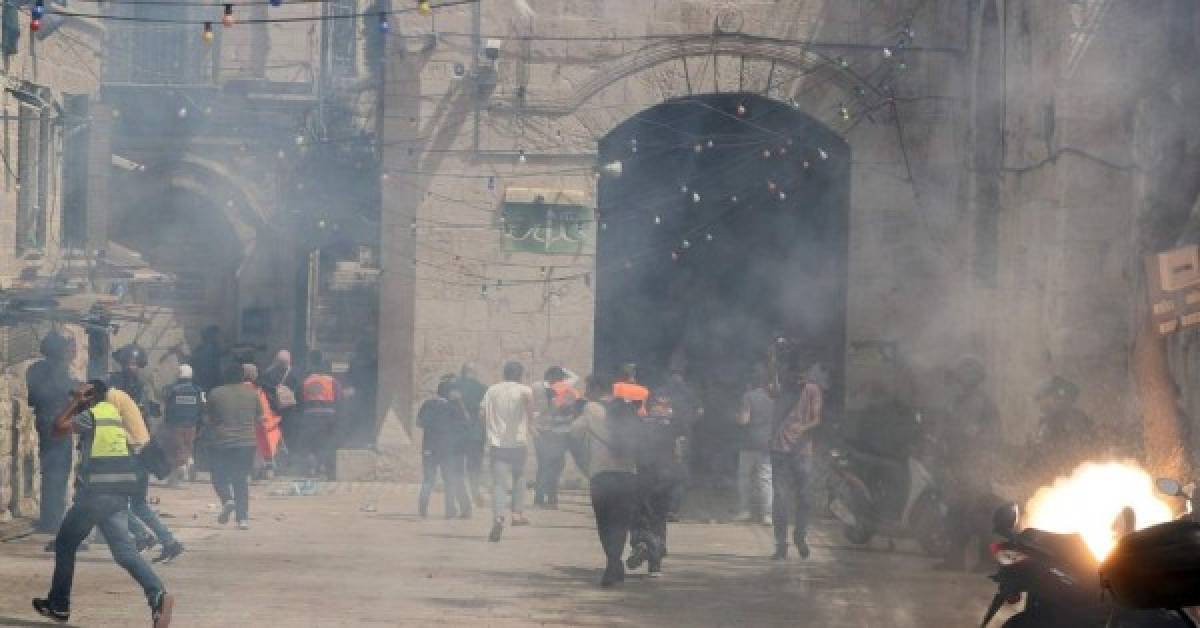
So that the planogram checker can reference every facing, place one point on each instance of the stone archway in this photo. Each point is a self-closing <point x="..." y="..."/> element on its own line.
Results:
<point x="194" y="220"/>
<point x="727" y="230"/>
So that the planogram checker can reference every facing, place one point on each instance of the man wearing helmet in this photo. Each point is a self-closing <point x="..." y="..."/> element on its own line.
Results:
<point x="134" y="380"/>
<point x="49" y="383"/>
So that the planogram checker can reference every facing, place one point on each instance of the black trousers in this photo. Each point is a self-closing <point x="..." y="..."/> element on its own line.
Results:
<point x="614" y="494"/>
<point x="655" y="489"/>
<point x="474" y="475"/>
<point x="969" y="516"/>
<point x="789" y="475"/>
<point x="551" y="449"/>
<point x="231" y="468"/>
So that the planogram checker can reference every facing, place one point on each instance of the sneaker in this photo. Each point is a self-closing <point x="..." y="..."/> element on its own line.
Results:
<point x="170" y="552"/>
<point x="160" y="611"/>
<point x="226" y="513"/>
<point x="802" y="549"/>
<point x="638" y="556"/>
<point x="497" y="530"/>
<point x="42" y="606"/>
<point x="243" y="525"/>
<point x="656" y="573"/>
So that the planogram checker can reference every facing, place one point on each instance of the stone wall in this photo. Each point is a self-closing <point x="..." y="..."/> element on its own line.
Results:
<point x="68" y="61"/>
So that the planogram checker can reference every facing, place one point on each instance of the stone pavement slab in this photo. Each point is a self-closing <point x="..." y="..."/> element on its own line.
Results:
<point x="357" y="554"/>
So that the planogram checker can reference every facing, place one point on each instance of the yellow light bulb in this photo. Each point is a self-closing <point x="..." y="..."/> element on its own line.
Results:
<point x="424" y="8"/>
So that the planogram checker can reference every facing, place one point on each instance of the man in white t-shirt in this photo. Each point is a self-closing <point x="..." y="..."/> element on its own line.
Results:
<point x="507" y="410"/>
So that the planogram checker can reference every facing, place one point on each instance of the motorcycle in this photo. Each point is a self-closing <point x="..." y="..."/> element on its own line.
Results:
<point x="1059" y="580"/>
<point x="871" y="495"/>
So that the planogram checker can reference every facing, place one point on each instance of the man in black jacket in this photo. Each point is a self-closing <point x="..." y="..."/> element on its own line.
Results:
<point x="444" y="421"/>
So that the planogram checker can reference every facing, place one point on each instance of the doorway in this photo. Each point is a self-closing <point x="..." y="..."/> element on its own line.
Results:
<point x="724" y="236"/>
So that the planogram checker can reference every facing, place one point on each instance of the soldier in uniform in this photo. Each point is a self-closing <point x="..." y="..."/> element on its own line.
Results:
<point x="1065" y="433"/>
<point x="134" y="380"/>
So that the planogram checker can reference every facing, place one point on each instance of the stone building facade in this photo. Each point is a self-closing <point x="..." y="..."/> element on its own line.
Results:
<point x="568" y="74"/>
<point x="1003" y="158"/>
<point x="47" y="75"/>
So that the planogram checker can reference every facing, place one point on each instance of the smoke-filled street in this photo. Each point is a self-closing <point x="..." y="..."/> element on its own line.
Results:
<point x="322" y="561"/>
<point x="816" y="313"/>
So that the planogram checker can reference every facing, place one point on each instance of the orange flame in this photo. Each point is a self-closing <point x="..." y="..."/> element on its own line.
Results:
<point x="1088" y="501"/>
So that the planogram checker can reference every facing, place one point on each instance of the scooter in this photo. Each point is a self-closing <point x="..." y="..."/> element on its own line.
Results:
<point x="897" y="498"/>
<point x="1058" y="578"/>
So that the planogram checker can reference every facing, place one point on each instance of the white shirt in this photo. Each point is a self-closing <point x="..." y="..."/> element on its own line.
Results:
<point x="505" y="410"/>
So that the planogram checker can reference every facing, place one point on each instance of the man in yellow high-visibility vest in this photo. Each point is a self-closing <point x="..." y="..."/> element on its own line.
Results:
<point x="108" y="477"/>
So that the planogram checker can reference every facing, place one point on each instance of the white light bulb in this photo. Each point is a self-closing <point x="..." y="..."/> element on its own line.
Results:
<point x="695" y="197"/>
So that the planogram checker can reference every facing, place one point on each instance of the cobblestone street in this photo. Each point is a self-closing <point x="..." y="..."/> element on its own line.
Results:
<point x="357" y="554"/>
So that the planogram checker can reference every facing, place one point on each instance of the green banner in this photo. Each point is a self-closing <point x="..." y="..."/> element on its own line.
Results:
<point x="546" y="228"/>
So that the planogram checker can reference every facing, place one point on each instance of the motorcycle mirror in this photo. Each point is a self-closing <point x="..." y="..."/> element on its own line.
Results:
<point x="1004" y="520"/>
<point x="1170" y="487"/>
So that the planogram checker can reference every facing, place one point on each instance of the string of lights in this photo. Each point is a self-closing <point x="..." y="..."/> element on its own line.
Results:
<point x="227" y="19"/>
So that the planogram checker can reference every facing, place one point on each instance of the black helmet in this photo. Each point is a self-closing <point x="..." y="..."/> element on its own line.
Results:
<point x="55" y="345"/>
<point x="131" y="354"/>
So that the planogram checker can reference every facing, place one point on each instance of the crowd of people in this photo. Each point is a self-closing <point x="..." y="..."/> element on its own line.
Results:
<point x="220" y="412"/>
<point x="631" y="443"/>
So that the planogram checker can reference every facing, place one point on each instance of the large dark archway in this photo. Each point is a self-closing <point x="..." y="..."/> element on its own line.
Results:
<point x="726" y="230"/>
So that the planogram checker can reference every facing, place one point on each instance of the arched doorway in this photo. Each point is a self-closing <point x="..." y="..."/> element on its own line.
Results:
<point x="186" y="234"/>
<point x="726" y="231"/>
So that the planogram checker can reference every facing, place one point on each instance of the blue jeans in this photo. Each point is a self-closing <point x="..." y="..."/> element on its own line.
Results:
<point x="139" y="509"/>
<point x="790" y="475"/>
<point x="451" y="465"/>
<point x="111" y="514"/>
<point x="508" y="462"/>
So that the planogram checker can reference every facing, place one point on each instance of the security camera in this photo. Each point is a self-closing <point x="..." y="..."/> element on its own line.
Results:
<point x="459" y="71"/>
<point x="491" y="50"/>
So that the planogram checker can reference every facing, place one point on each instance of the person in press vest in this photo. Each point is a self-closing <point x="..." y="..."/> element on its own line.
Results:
<point x="183" y="406"/>
<point x="108" y="475"/>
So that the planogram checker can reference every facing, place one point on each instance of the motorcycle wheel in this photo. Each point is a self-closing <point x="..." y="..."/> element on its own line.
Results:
<point x="929" y="526"/>
<point x="854" y="497"/>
